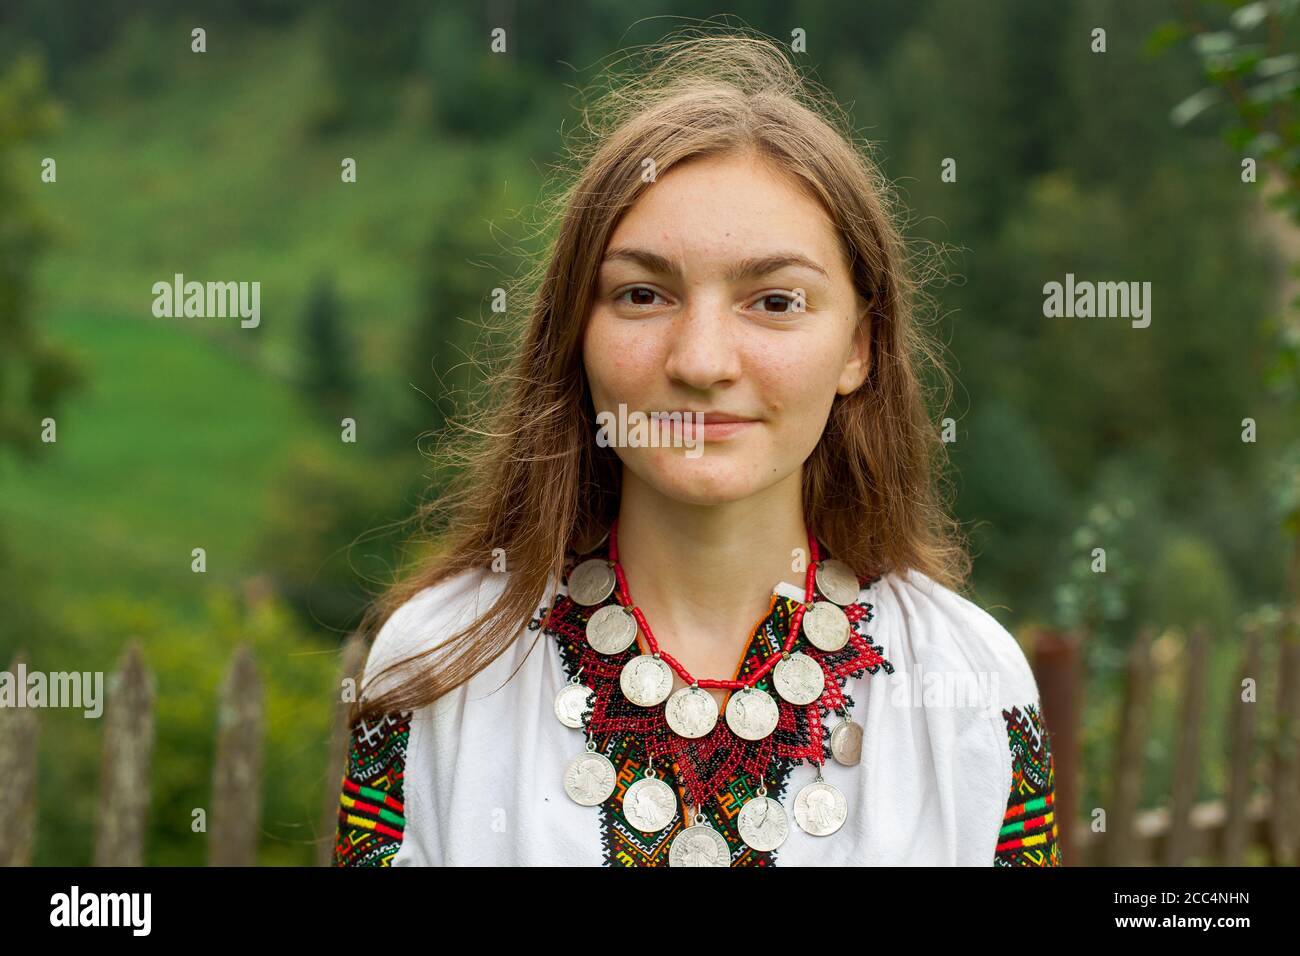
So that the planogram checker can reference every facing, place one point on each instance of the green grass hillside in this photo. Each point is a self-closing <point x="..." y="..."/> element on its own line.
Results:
<point x="167" y="449"/>
<point x="209" y="166"/>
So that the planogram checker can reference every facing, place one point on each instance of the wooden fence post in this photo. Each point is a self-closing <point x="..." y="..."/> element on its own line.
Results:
<point x="1241" y="755"/>
<point x="1285" y="786"/>
<point x="1057" y="672"/>
<point x="1117" y="847"/>
<point x="1187" y="762"/>
<point x="19" y="731"/>
<point x="351" y="660"/>
<point x="127" y="756"/>
<point x="236" y="777"/>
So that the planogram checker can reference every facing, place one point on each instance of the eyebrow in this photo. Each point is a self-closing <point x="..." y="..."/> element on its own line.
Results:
<point x="752" y="267"/>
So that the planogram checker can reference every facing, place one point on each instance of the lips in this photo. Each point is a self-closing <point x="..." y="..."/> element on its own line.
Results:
<point x="713" y="418"/>
<point x="709" y="426"/>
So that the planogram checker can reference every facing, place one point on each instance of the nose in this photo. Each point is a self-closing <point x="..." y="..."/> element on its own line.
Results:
<point x="703" y="352"/>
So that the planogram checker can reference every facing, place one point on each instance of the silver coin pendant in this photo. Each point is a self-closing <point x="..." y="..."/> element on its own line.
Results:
<point x="612" y="629"/>
<point x="798" y="678"/>
<point x="826" y="626"/>
<point x="691" y="712"/>
<point x="820" y="808"/>
<point x="646" y="680"/>
<point x="752" y="714"/>
<point x="846" y="743"/>
<point x="837" y="582"/>
<point x="572" y="702"/>
<point x="589" y="778"/>
<point x="592" y="581"/>
<point x="649" y="804"/>
<point x="763" y="823"/>
<point x="699" y="845"/>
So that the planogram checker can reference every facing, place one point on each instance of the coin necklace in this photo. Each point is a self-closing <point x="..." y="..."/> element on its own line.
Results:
<point x="691" y="712"/>
<point x="647" y="679"/>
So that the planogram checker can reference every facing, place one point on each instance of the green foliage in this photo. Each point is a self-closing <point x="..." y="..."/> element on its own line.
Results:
<point x="1099" y="572"/>
<point x="329" y="359"/>
<point x="34" y="375"/>
<point x="325" y="541"/>
<point x="188" y="657"/>
<point x="1251" y="64"/>
<point x="1250" y="67"/>
<point x="1284" y="489"/>
<point x="1189" y="585"/>
<point x="1021" y="485"/>
<point x="456" y="331"/>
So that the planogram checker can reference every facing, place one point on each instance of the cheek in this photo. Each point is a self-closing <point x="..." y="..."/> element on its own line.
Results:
<point x="616" y="357"/>
<point x="797" y="380"/>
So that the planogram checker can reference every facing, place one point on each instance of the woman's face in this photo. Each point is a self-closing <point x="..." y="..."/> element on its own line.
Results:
<point x="724" y="290"/>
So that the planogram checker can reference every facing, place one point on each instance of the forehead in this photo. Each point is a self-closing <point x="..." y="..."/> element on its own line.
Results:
<point x="720" y="208"/>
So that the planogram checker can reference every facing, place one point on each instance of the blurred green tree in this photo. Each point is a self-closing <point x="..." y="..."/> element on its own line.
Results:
<point x="34" y="374"/>
<point x="329" y="360"/>
<point x="1247" y="49"/>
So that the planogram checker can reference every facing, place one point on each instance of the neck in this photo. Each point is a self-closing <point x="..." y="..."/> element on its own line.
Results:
<point x="704" y="574"/>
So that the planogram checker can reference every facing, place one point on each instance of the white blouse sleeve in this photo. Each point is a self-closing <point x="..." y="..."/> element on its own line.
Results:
<point x="375" y="807"/>
<point x="1004" y="754"/>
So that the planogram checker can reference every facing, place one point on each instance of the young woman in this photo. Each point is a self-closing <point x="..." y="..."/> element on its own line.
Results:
<point x="739" y="642"/>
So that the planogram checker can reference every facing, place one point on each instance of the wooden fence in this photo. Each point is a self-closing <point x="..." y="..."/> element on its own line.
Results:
<point x="233" y="821"/>
<point x="1253" y="813"/>
<point x="1259" y="809"/>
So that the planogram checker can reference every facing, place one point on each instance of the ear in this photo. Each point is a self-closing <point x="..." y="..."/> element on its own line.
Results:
<point x="858" y="364"/>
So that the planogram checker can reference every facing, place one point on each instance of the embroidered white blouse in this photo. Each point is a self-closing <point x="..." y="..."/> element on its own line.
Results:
<point x="955" y="768"/>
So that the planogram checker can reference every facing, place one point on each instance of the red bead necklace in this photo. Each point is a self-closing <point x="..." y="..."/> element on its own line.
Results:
<point x="625" y="598"/>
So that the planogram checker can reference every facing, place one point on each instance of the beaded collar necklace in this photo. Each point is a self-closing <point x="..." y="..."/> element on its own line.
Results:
<point x="646" y="681"/>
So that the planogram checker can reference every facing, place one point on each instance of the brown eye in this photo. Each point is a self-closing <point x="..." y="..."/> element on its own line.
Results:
<point x="643" y="296"/>
<point x="777" y="303"/>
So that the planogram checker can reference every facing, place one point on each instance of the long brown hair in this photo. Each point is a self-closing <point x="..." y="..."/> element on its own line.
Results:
<point x="529" y="476"/>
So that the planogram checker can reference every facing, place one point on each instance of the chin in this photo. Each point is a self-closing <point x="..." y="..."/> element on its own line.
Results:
<point x="701" y="481"/>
